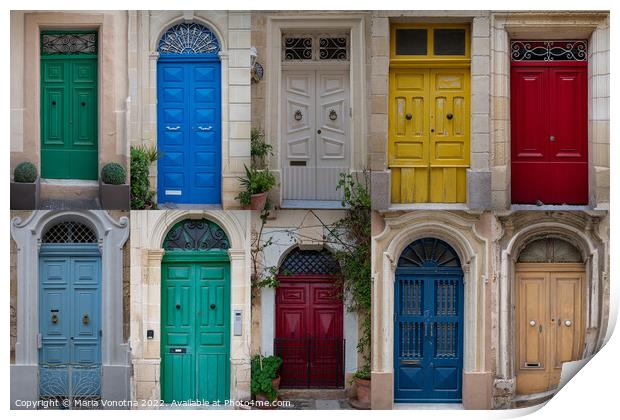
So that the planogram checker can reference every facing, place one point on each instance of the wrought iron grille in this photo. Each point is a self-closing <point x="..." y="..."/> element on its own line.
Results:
<point x="306" y="261"/>
<point x="446" y="297"/>
<point x="311" y="47"/>
<point x="550" y="250"/>
<point x="297" y="48"/>
<point x="69" y="44"/>
<point x="196" y="235"/>
<point x="411" y="336"/>
<point x="189" y="38"/>
<point x="333" y="48"/>
<point x="549" y="50"/>
<point x="311" y="362"/>
<point x="69" y="233"/>
<point x="429" y="252"/>
<point x="411" y="296"/>
<point x="446" y="338"/>
<point x="70" y="385"/>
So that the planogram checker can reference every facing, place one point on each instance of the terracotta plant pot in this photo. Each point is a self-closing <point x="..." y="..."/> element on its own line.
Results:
<point x="258" y="201"/>
<point x="363" y="394"/>
<point x="275" y="382"/>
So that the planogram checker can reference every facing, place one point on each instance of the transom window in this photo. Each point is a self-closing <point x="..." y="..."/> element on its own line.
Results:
<point x="429" y="252"/>
<point x="66" y="43"/>
<point x="196" y="235"/>
<point x="550" y="50"/>
<point x="307" y="261"/>
<point x="69" y="233"/>
<point x="550" y="250"/>
<point x="189" y="38"/>
<point x="430" y="41"/>
<point x="315" y="47"/>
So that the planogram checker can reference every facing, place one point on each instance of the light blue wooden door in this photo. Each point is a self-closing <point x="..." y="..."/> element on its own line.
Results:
<point x="69" y="321"/>
<point x="428" y="324"/>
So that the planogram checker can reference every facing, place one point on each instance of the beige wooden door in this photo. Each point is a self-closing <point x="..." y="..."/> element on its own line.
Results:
<point x="549" y="314"/>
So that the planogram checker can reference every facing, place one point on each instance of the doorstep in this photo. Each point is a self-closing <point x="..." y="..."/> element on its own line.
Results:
<point x="312" y="204"/>
<point x="69" y="189"/>
<point x="428" y="406"/>
<point x="176" y="206"/>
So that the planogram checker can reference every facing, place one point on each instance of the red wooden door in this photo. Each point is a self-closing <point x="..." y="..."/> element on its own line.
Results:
<point x="309" y="331"/>
<point x="549" y="132"/>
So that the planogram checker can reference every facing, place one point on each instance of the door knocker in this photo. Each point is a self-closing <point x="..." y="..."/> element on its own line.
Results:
<point x="333" y="115"/>
<point x="298" y="116"/>
<point x="85" y="319"/>
<point x="449" y="116"/>
<point x="54" y="318"/>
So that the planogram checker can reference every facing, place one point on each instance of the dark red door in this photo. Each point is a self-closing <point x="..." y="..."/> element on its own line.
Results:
<point x="549" y="132"/>
<point x="309" y="331"/>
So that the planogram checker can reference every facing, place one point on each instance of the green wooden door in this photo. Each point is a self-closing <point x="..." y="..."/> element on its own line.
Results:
<point x="195" y="326"/>
<point x="69" y="105"/>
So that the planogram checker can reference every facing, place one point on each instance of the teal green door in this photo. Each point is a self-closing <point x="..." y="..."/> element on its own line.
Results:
<point x="195" y="326"/>
<point x="69" y="105"/>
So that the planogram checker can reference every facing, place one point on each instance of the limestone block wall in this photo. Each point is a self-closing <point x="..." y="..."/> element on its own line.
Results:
<point x="25" y="80"/>
<point x="148" y="230"/>
<point x="479" y="173"/>
<point x="232" y="28"/>
<point x="593" y="26"/>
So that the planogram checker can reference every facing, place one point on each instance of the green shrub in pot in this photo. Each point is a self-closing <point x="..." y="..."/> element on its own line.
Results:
<point x="264" y="370"/>
<point x="255" y="181"/>
<point x="25" y="172"/>
<point x="114" y="174"/>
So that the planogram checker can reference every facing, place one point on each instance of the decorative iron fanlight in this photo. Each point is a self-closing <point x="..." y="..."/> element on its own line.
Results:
<point x="196" y="235"/>
<point x="553" y="50"/>
<point x="189" y="38"/>
<point x="308" y="261"/>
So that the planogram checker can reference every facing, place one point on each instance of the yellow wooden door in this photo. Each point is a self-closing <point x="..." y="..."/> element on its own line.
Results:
<point x="428" y="149"/>
<point x="549" y="323"/>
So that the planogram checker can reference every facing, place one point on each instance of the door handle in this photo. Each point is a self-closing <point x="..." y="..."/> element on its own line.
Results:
<point x="551" y="138"/>
<point x="212" y="306"/>
<point x="532" y="323"/>
<point x="425" y="329"/>
<point x="178" y="306"/>
<point x="318" y="131"/>
<point x="449" y="115"/>
<point x="85" y="319"/>
<point x="568" y="323"/>
<point x="408" y="116"/>
<point x="204" y="128"/>
<point x="178" y="127"/>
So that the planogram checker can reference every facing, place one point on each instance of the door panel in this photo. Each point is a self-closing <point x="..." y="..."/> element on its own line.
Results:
<point x="428" y="336"/>
<point x="309" y="334"/>
<point x="189" y="132"/>
<point x="69" y="127"/>
<point x="549" y="135"/>
<point x="195" y="331"/>
<point x="550" y="299"/>
<point x="428" y="148"/>
<point x="315" y="133"/>
<point x="70" y="325"/>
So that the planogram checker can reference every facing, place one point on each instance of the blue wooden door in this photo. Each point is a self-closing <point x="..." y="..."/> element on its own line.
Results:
<point x="70" y="321"/>
<point x="189" y="131"/>
<point x="428" y="324"/>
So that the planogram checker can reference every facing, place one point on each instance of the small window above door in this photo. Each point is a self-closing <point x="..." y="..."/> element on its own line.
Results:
<point x="430" y="42"/>
<point x="315" y="47"/>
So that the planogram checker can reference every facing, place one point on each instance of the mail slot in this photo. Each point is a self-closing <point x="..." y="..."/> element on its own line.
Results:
<point x="177" y="350"/>
<point x="410" y="363"/>
<point x="532" y="365"/>
<point x="298" y="163"/>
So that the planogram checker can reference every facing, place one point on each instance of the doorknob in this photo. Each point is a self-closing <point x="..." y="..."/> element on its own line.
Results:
<point x="532" y="323"/>
<point x="318" y="131"/>
<point x="551" y="138"/>
<point x="212" y="306"/>
<point x="568" y="323"/>
<point x="449" y="115"/>
<point x="408" y="116"/>
<point x="178" y="306"/>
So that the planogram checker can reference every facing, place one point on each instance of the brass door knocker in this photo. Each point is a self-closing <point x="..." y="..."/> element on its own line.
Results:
<point x="85" y="319"/>
<point x="54" y="318"/>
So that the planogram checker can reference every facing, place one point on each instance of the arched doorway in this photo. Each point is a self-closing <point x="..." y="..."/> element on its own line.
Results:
<point x="428" y="323"/>
<point x="550" y="290"/>
<point x="309" y="319"/>
<point x="195" y="313"/>
<point x="189" y="116"/>
<point x="70" y="314"/>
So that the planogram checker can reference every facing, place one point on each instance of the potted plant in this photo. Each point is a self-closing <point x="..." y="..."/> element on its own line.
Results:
<point x="361" y="378"/>
<point x="25" y="187"/>
<point x="113" y="187"/>
<point x="259" y="150"/>
<point x="256" y="184"/>
<point x="141" y="160"/>
<point x="265" y="379"/>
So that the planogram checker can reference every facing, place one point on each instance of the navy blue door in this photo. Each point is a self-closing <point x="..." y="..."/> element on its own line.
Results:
<point x="428" y="324"/>
<point x="189" y="131"/>
<point x="69" y="321"/>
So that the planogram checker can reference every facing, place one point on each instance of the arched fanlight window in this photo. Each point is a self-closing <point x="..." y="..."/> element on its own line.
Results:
<point x="69" y="233"/>
<point x="196" y="235"/>
<point x="550" y="250"/>
<point x="429" y="252"/>
<point x="189" y="38"/>
<point x="307" y="261"/>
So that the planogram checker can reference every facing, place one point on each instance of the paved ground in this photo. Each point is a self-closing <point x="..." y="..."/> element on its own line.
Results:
<point x="311" y="404"/>
<point x="174" y="206"/>
<point x="70" y="204"/>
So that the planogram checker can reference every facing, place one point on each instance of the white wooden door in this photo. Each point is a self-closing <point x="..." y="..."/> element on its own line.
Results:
<point x="315" y="133"/>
